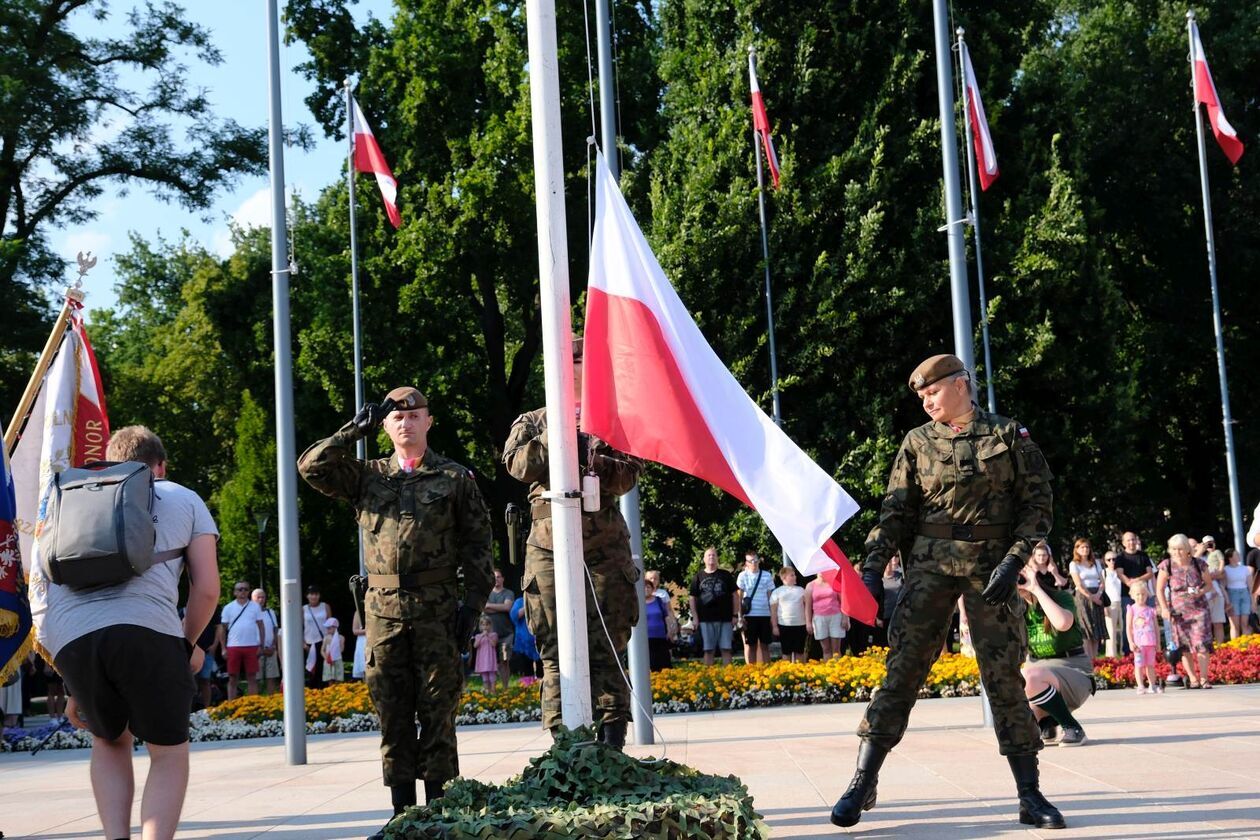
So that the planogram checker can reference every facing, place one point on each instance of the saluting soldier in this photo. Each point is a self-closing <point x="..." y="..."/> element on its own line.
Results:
<point x="968" y="498"/>
<point x="606" y="550"/>
<point x="424" y="523"/>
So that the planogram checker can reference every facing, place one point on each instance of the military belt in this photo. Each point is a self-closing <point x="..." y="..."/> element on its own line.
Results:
<point x="964" y="533"/>
<point x="409" y="580"/>
<point x="540" y="509"/>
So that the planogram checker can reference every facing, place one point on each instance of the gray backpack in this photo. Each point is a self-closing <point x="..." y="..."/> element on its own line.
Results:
<point x="98" y="528"/>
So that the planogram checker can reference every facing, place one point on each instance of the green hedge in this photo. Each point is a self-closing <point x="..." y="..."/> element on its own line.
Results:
<point x="580" y="788"/>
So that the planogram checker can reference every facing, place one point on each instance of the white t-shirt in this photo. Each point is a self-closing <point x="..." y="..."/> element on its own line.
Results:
<point x="313" y="619"/>
<point x="63" y="614"/>
<point x="241" y="621"/>
<point x="791" y="603"/>
<point x="269" y="626"/>
<point x="761" y="600"/>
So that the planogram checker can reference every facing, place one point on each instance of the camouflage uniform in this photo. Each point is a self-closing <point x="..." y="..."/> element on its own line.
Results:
<point x="606" y="549"/>
<point x="429" y="524"/>
<point x="956" y="504"/>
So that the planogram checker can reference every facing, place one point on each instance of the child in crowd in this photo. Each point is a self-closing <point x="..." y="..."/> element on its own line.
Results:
<point x="787" y="616"/>
<point x="1142" y="631"/>
<point x="334" y="647"/>
<point x="485" y="644"/>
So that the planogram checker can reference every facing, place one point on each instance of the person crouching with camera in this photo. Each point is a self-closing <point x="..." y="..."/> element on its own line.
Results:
<point x="1060" y="676"/>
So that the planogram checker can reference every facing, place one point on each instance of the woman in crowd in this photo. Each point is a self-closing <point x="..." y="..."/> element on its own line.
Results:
<point x="1047" y="571"/>
<point x="661" y="631"/>
<point x="822" y="612"/>
<point x="1113" y="614"/>
<point x="1182" y="592"/>
<point x="1239" y="583"/>
<point x="1059" y="677"/>
<point x="1087" y="578"/>
<point x="787" y="616"/>
<point x="1218" y="604"/>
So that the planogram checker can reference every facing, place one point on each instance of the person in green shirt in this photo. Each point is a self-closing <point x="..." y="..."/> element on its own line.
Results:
<point x="1058" y="678"/>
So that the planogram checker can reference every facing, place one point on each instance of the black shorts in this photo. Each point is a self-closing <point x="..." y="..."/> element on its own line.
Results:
<point x="128" y="676"/>
<point x="757" y="629"/>
<point x="792" y="639"/>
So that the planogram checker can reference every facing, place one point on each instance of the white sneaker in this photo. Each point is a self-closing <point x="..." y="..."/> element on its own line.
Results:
<point x="1141" y="690"/>
<point x="1159" y="689"/>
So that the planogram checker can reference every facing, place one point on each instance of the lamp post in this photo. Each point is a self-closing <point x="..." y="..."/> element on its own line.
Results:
<point x="261" y="518"/>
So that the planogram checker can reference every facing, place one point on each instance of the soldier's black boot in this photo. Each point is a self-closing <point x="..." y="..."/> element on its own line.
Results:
<point x="861" y="793"/>
<point x="1034" y="809"/>
<point x="613" y="733"/>
<point x="433" y="790"/>
<point x="401" y="797"/>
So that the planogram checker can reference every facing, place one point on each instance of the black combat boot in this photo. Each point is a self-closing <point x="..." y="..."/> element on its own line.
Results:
<point x="1034" y="809"/>
<point x="402" y="797"/>
<point x="861" y="793"/>
<point x="613" y="733"/>
<point x="433" y="790"/>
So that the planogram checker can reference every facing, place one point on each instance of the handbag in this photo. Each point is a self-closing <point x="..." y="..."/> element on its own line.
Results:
<point x="745" y="606"/>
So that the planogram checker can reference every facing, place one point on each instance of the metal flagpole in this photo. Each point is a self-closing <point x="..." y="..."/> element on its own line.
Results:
<point x="553" y="277"/>
<point x="975" y="224"/>
<point x="286" y="455"/>
<point x="954" y="219"/>
<point x="640" y="664"/>
<point x="1235" y="500"/>
<point x="361" y="445"/>
<point x="765" y="254"/>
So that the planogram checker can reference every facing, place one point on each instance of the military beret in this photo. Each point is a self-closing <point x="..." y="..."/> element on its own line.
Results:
<point x="577" y="348"/>
<point x="934" y="370"/>
<point x="407" y="398"/>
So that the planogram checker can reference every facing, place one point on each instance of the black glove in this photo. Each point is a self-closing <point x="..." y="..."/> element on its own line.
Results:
<point x="874" y="582"/>
<point x="1003" y="580"/>
<point x="465" y="623"/>
<point x="371" y="416"/>
<point x="584" y="450"/>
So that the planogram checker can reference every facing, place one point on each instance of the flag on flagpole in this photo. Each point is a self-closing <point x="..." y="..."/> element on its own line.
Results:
<point x="68" y="427"/>
<point x="1205" y="92"/>
<point x="653" y="387"/>
<point x="15" y="610"/>
<point x="761" y="122"/>
<point x="369" y="159"/>
<point x="986" y="158"/>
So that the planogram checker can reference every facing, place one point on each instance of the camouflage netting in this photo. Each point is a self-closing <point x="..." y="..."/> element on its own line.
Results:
<point x="582" y="789"/>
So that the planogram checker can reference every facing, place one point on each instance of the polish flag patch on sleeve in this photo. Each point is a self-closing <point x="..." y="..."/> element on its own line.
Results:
<point x="1023" y="432"/>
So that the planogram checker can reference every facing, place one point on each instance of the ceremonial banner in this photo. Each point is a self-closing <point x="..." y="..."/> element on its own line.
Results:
<point x="369" y="159"/>
<point x="653" y="387"/>
<point x="15" y="610"/>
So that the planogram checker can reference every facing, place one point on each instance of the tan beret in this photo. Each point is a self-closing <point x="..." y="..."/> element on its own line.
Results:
<point x="407" y="398"/>
<point x="934" y="370"/>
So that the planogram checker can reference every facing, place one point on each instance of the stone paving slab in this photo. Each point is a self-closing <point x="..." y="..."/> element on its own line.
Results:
<point x="1186" y="764"/>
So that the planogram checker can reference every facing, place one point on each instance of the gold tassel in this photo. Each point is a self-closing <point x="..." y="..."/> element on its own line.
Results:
<point x="8" y="623"/>
<point x="10" y="668"/>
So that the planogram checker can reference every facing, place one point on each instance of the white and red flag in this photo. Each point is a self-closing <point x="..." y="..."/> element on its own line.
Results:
<point x="986" y="158"/>
<point x="1205" y="92"/>
<point x="761" y="122"/>
<point x="369" y="159"/>
<point x="68" y="427"/>
<point x="653" y="387"/>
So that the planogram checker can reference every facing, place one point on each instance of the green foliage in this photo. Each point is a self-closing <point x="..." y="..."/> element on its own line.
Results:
<point x="75" y="116"/>
<point x="580" y="788"/>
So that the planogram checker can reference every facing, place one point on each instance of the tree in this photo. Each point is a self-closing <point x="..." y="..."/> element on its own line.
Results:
<point x="72" y="123"/>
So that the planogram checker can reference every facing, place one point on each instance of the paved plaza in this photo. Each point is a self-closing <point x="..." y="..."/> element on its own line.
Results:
<point x="1186" y="764"/>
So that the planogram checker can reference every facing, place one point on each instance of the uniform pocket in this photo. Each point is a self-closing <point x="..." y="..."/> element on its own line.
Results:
<point x="996" y="463"/>
<point x="375" y="506"/>
<point x="897" y="616"/>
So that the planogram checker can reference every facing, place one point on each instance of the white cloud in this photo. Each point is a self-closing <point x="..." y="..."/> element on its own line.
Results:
<point x="253" y="212"/>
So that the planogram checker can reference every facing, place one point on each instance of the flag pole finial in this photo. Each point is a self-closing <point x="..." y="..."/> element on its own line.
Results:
<point x="960" y="32"/>
<point x="1190" y="15"/>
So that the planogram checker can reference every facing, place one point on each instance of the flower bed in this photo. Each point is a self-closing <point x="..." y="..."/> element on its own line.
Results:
<point x="691" y="687"/>
<point x="1235" y="662"/>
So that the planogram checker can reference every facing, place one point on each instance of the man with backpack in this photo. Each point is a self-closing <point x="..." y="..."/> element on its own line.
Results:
<point x="126" y="657"/>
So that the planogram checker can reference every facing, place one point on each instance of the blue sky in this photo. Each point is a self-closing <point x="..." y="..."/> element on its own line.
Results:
<point x="237" y="89"/>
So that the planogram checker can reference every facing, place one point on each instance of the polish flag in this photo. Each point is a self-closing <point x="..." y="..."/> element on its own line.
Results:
<point x="761" y="122"/>
<point x="68" y="427"/>
<point x="369" y="159"/>
<point x="1205" y="92"/>
<point x="652" y="387"/>
<point x="986" y="158"/>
